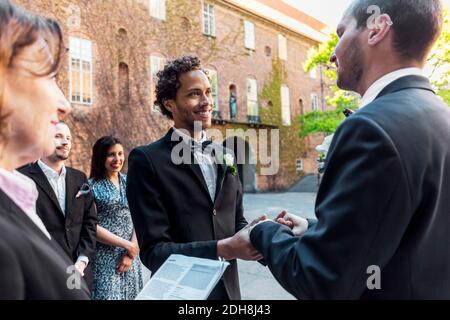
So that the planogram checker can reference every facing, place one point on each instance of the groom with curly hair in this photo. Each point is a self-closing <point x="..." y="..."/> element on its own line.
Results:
<point x="193" y="208"/>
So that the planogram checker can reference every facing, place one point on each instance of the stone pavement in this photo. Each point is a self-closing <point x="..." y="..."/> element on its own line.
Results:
<point x="256" y="281"/>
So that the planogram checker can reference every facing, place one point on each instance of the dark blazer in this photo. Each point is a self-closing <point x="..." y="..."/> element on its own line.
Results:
<point x="76" y="230"/>
<point x="32" y="266"/>
<point x="173" y="212"/>
<point x="384" y="201"/>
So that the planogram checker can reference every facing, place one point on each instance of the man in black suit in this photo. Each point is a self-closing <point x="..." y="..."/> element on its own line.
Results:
<point x="383" y="205"/>
<point x="67" y="210"/>
<point x="194" y="206"/>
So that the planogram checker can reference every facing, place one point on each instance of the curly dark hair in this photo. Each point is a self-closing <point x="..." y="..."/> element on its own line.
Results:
<point x="169" y="80"/>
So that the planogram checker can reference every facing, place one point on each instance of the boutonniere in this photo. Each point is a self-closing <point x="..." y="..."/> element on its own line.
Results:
<point x="228" y="160"/>
<point x="85" y="189"/>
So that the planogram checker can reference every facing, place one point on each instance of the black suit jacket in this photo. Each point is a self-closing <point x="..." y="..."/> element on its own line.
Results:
<point x="76" y="230"/>
<point x="384" y="201"/>
<point x="32" y="266"/>
<point x="173" y="212"/>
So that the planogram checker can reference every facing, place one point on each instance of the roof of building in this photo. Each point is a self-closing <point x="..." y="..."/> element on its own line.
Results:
<point x="285" y="15"/>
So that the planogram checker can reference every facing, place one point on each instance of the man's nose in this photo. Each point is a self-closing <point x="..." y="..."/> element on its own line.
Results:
<point x="206" y="100"/>
<point x="333" y="57"/>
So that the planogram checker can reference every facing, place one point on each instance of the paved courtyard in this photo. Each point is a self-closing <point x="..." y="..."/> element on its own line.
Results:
<point x="257" y="283"/>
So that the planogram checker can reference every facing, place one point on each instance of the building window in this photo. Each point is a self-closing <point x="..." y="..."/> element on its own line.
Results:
<point x="282" y="47"/>
<point x="156" y="64"/>
<point x="212" y="75"/>
<point x="314" y="102"/>
<point x="233" y="102"/>
<point x="158" y="9"/>
<point x="209" y="20"/>
<point x="249" y="30"/>
<point x="285" y="106"/>
<point x="313" y="73"/>
<point x="80" y="71"/>
<point x="252" y="100"/>
<point x="299" y="165"/>
<point x="124" y="85"/>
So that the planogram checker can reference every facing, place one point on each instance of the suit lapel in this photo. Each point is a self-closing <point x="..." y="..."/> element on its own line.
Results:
<point x="221" y="171"/>
<point x="39" y="177"/>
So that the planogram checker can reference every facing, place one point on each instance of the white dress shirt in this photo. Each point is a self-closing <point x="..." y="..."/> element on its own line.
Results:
<point x="58" y="183"/>
<point x="206" y="161"/>
<point x="378" y="86"/>
<point x="23" y="192"/>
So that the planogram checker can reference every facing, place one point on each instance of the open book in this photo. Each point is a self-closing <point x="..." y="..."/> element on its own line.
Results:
<point x="184" y="278"/>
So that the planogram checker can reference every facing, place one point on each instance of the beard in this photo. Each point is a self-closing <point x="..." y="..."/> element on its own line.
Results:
<point x="351" y="67"/>
<point x="61" y="157"/>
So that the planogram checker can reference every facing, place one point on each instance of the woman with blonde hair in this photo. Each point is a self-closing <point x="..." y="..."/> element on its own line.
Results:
<point x="33" y="266"/>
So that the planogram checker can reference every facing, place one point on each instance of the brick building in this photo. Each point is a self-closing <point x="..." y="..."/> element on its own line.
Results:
<point x="254" y="52"/>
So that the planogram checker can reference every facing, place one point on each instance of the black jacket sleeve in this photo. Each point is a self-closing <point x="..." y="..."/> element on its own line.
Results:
<point x="150" y="218"/>
<point x="363" y="208"/>
<point x="88" y="235"/>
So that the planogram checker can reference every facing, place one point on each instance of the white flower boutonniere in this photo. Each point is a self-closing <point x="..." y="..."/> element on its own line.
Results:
<point x="85" y="189"/>
<point x="228" y="159"/>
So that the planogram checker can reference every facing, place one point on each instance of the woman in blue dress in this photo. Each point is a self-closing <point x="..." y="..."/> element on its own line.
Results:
<point x="116" y="266"/>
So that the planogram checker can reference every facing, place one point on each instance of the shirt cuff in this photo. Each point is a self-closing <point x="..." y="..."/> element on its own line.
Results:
<point x="84" y="259"/>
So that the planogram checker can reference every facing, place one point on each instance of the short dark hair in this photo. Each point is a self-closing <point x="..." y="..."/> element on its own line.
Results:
<point x="417" y="23"/>
<point x="99" y="155"/>
<point x="169" y="80"/>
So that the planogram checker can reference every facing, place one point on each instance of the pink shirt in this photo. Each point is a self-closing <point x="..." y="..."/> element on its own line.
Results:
<point x="23" y="192"/>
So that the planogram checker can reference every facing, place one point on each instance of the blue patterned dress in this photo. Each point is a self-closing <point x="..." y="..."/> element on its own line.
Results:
<point x="114" y="215"/>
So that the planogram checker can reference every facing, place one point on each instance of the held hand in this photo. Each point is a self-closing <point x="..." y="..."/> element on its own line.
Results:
<point x="80" y="266"/>
<point x="132" y="250"/>
<point x="239" y="245"/>
<point x="124" y="264"/>
<point x="298" y="224"/>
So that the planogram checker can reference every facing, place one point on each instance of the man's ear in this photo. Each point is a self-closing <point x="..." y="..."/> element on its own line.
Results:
<point x="169" y="104"/>
<point x="380" y="29"/>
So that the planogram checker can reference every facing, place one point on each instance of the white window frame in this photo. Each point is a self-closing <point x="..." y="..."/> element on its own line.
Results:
<point x="76" y="46"/>
<point x="313" y="73"/>
<point x="252" y="97"/>
<point x="285" y="106"/>
<point x="209" y="17"/>
<point x="249" y="35"/>
<point x="214" y="90"/>
<point x="282" y="47"/>
<point x="157" y="9"/>
<point x="160" y="61"/>
<point x="299" y="165"/>
<point x="314" y="102"/>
